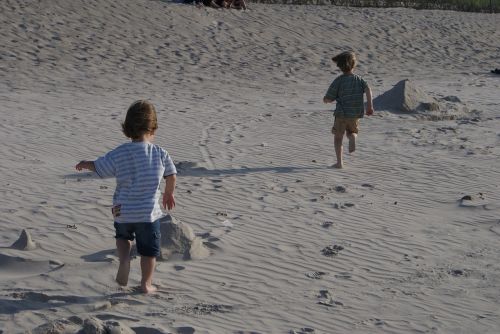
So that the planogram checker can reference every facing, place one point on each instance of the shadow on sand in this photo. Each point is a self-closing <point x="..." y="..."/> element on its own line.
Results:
<point x="186" y="168"/>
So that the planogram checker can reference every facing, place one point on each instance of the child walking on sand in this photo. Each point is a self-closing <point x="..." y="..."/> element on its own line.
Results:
<point x="347" y="90"/>
<point x="138" y="167"/>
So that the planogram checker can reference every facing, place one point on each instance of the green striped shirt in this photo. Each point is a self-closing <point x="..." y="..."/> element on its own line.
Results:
<point x="347" y="90"/>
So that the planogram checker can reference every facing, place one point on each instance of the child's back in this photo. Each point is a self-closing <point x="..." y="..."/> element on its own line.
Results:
<point x="139" y="167"/>
<point x="348" y="90"/>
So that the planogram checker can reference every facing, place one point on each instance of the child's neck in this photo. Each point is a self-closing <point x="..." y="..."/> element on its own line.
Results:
<point x="147" y="137"/>
<point x="348" y="73"/>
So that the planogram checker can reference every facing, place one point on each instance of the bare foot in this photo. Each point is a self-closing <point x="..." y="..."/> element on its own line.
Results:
<point x="338" y="165"/>
<point x="352" y="143"/>
<point x="148" y="288"/>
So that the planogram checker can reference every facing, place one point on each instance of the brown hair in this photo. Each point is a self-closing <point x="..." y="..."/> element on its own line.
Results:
<point x="346" y="61"/>
<point x="141" y="119"/>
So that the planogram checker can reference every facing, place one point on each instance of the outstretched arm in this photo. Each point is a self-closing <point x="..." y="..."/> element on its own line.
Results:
<point x="369" y="102"/>
<point x="89" y="165"/>
<point x="168" y="195"/>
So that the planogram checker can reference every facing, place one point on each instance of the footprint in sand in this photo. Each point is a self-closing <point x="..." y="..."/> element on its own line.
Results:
<point x="315" y="274"/>
<point x="327" y="224"/>
<point x="340" y="189"/>
<point x="185" y="330"/>
<point x="304" y="330"/>
<point x="326" y="299"/>
<point x="332" y="250"/>
<point x="343" y="206"/>
<point x="343" y="275"/>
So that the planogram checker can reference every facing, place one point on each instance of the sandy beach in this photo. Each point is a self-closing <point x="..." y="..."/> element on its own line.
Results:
<point x="404" y="239"/>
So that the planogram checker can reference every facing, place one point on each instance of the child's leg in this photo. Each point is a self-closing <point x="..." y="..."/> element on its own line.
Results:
<point x="148" y="246"/>
<point x="338" y="130"/>
<point x="337" y="140"/>
<point x="123" y="246"/>
<point x="352" y="128"/>
<point x="147" y="270"/>
<point x="352" y="142"/>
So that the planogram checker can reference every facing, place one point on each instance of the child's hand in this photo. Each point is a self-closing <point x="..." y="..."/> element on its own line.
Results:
<point x="369" y="111"/>
<point x="327" y="100"/>
<point x="85" y="165"/>
<point x="81" y="165"/>
<point x="168" y="201"/>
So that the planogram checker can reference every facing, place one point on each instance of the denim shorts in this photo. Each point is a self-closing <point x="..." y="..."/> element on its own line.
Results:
<point x="147" y="236"/>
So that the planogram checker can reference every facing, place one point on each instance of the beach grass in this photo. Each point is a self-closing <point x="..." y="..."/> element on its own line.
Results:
<point x="491" y="6"/>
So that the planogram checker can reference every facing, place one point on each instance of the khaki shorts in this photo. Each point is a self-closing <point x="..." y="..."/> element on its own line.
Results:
<point x="341" y="125"/>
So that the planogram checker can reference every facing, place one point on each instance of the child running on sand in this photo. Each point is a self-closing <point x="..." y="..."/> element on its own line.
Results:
<point x="347" y="90"/>
<point x="138" y="167"/>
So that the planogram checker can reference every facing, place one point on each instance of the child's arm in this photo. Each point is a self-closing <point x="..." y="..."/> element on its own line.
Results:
<point x="327" y="100"/>
<point x="168" y="195"/>
<point x="369" y="102"/>
<point x="85" y="165"/>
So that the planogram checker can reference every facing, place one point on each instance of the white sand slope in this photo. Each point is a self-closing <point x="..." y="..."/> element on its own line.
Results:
<point x="385" y="245"/>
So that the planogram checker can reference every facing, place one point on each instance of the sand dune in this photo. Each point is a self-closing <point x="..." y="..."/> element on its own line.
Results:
<point x="386" y="245"/>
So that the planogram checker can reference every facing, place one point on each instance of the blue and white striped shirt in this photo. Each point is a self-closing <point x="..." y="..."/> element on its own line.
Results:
<point x="138" y="168"/>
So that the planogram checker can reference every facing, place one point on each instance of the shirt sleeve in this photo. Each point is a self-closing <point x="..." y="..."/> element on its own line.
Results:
<point x="333" y="91"/>
<point x="105" y="166"/>
<point x="364" y="83"/>
<point x="168" y="164"/>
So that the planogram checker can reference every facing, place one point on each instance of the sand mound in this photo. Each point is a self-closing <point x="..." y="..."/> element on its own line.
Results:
<point x="24" y="242"/>
<point x="179" y="238"/>
<point x="14" y="266"/>
<point x="88" y="325"/>
<point x="406" y="97"/>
